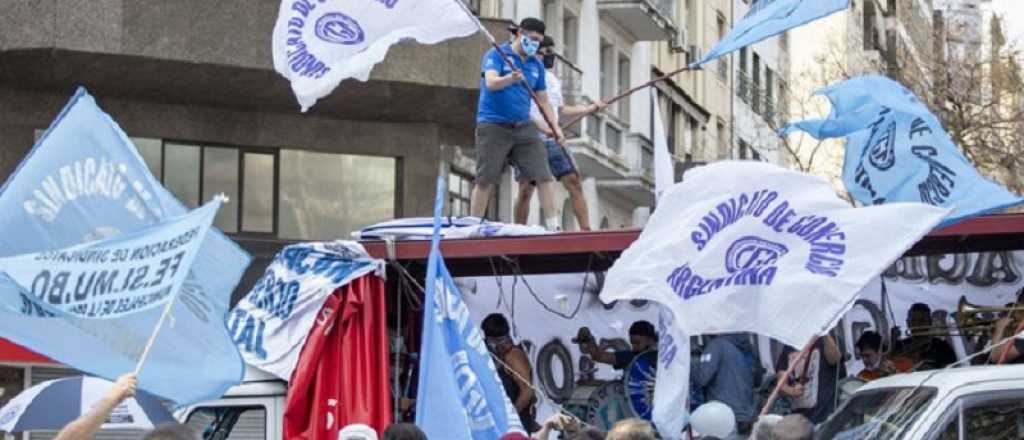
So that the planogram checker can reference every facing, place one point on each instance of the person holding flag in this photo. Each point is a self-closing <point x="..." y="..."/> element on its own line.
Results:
<point x="559" y="159"/>
<point x="504" y="130"/>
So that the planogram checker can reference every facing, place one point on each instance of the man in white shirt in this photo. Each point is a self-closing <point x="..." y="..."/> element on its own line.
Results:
<point x="562" y="166"/>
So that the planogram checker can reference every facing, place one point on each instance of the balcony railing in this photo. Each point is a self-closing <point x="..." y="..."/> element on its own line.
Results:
<point x="743" y="86"/>
<point x="647" y="160"/>
<point x="571" y="78"/>
<point x="613" y="136"/>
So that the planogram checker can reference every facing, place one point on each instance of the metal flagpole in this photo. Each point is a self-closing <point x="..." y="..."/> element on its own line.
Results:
<point x="510" y="64"/>
<point x="630" y="92"/>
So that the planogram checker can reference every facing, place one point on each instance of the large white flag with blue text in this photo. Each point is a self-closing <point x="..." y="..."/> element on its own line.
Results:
<point x="752" y="247"/>
<point x="317" y="44"/>
<point x="270" y="325"/>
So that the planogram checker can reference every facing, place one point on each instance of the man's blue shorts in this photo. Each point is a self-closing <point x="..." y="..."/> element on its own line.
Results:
<point x="558" y="159"/>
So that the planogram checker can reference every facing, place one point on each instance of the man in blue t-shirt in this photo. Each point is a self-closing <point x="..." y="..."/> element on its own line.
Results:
<point x="504" y="131"/>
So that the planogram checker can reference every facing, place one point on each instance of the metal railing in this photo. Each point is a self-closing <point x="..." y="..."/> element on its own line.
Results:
<point x="743" y="86"/>
<point x="613" y="136"/>
<point x="571" y="78"/>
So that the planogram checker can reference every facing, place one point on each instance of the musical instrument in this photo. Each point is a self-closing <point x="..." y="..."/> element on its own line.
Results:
<point x="973" y="320"/>
<point x="599" y="403"/>
<point x="847" y="387"/>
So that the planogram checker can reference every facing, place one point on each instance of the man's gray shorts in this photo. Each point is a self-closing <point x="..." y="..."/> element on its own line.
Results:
<point x="499" y="144"/>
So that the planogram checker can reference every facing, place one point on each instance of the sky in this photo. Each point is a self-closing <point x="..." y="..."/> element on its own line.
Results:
<point x="1013" y="11"/>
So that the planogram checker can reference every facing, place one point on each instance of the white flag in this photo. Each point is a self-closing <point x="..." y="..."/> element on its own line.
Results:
<point x="672" y="383"/>
<point x="664" y="172"/>
<point x="752" y="247"/>
<point x="319" y="43"/>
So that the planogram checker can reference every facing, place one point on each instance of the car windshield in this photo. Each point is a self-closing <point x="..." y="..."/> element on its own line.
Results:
<point x="881" y="414"/>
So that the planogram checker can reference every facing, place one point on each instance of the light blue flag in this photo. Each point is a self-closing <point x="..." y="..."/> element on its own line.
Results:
<point x="93" y="307"/>
<point x="898" y="151"/>
<point x="460" y="396"/>
<point x="84" y="180"/>
<point x="768" y="18"/>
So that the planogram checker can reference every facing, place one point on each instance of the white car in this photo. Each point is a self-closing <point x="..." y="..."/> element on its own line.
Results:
<point x="253" y="410"/>
<point x="973" y="403"/>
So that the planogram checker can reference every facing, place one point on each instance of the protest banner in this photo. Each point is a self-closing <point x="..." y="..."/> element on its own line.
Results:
<point x="767" y="18"/>
<point x="460" y="395"/>
<point x="93" y="307"/>
<point x="271" y="323"/>
<point x="898" y="151"/>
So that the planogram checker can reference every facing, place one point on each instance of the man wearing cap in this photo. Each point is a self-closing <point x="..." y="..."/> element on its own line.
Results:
<point x="504" y="131"/>
<point x="559" y="160"/>
<point x="642" y="338"/>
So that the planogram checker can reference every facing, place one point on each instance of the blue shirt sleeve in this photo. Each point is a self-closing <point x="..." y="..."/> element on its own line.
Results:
<point x="491" y="61"/>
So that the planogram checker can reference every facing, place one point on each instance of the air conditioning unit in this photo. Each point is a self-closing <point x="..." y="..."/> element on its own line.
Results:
<point x="693" y="53"/>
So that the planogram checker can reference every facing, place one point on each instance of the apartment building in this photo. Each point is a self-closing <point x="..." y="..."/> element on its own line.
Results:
<point x="731" y="108"/>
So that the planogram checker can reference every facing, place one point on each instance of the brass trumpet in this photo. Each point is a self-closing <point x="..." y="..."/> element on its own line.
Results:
<point x="973" y="320"/>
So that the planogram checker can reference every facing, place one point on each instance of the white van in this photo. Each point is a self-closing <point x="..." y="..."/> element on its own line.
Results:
<point x="975" y="403"/>
<point x="253" y="410"/>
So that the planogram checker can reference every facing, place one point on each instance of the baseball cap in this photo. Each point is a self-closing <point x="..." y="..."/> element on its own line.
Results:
<point x="531" y="24"/>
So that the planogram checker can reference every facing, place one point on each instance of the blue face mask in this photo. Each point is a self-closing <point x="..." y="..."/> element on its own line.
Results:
<point x="530" y="47"/>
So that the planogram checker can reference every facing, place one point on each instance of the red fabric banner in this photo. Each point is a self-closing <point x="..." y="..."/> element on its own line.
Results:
<point x="341" y="377"/>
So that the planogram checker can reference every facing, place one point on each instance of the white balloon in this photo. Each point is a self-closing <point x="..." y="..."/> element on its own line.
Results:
<point x="714" y="419"/>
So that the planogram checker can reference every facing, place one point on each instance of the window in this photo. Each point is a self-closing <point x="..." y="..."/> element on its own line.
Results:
<point x="723" y="62"/>
<point x="744" y="147"/>
<point x="259" y="171"/>
<point x="723" y="140"/>
<point x="181" y="168"/>
<point x="694" y="130"/>
<point x="607" y="69"/>
<point x="347" y="193"/>
<point x="229" y="423"/>
<point x="195" y="174"/>
<point x="623" y="85"/>
<point x="755" y="75"/>
<point x="285" y="193"/>
<point x="460" y="190"/>
<point x="769" y="94"/>
<point x="999" y="419"/>
<point x="570" y="35"/>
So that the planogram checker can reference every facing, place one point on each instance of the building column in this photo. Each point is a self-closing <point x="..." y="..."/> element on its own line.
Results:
<point x="590" y="49"/>
<point x="640" y="102"/>
<point x="589" y="185"/>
